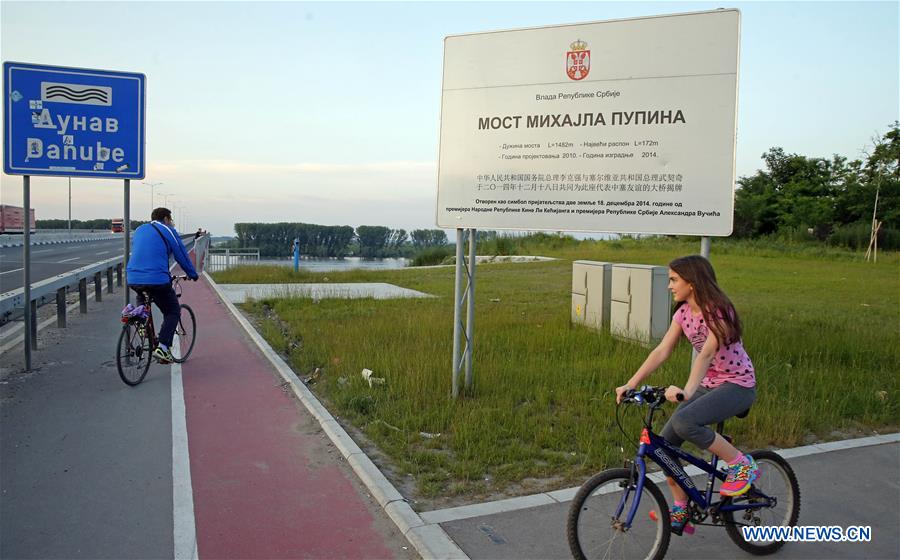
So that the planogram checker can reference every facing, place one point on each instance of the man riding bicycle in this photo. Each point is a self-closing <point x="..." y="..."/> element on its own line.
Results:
<point x="148" y="272"/>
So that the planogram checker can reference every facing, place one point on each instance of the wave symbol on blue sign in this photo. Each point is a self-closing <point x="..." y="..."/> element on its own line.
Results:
<point x="74" y="93"/>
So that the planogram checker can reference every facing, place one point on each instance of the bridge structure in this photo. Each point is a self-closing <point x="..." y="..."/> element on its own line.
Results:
<point x="229" y="455"/>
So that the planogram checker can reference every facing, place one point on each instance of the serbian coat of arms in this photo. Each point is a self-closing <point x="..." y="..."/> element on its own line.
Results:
<point x="578" y="60"/>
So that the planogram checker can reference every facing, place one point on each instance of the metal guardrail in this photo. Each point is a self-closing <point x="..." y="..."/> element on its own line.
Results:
<point x="13" y="303"/>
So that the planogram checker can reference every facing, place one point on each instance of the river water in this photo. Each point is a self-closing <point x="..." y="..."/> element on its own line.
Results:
<point x="313" y="264"/>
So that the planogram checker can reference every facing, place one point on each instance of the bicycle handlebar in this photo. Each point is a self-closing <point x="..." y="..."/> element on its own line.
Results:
<point x="649" y="395"/>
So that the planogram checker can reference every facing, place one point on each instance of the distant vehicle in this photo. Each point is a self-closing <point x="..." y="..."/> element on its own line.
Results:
<point x="118" y="225"/>
<point x="12" y="219"/>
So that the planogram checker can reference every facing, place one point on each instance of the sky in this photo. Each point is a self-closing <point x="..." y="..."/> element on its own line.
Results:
<point x="329" y="113"/>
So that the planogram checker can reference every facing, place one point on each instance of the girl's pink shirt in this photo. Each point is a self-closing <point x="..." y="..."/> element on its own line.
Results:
<point x="731" y="363"/>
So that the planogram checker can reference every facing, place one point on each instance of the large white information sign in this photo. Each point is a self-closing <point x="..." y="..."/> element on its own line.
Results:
<point x="621" y="126"/>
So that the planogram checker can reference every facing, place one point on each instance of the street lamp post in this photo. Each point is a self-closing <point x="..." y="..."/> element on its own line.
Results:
<point x="182" y="217"/>
<point x="152" y="186"/>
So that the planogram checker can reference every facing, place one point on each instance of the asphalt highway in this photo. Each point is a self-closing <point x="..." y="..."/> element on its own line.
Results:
<point x="50" y="260"/>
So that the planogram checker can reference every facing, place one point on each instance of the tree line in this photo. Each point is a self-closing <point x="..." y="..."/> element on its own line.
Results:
<point x="795" y="196"/>
<point x="99" y="224"/>
<point x="831" y="200"/>
<point x="277" y="240"/>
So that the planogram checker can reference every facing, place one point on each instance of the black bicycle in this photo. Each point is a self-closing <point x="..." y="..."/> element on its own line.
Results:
<point x="138" y="337"/>
<point x="622" y="514"/>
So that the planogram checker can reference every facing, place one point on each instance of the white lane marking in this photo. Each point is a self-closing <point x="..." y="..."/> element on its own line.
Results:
<point x="42" y="251"/>
<point x="102" y="252"/>
<point x="67" y="260"/>
<point x="13" y="270"/>
<point x="185" y="532"/>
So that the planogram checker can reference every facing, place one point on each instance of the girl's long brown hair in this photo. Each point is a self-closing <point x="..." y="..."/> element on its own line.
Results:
<point x="718" y="311"/>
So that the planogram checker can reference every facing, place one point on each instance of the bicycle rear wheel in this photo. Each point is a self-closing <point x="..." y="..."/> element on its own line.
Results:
<point x="600" y="508"/>
<point x="777" y="480"/>
<point x="134" y="354"/>
<point x="186" y="331"/>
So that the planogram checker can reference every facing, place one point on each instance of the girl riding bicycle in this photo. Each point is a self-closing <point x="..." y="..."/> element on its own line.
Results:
<point x="722" y="381"/>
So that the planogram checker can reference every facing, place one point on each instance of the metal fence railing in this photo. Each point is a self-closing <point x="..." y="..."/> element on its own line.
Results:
<point x="201" y="250"/>
<point x="220" y="259"/>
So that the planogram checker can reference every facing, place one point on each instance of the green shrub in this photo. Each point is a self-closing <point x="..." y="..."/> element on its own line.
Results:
<point x="856" y="236"/>
<point x="432" y="256"/>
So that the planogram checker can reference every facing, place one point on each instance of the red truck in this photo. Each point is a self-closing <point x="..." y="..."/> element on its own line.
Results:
<point x="12" y="219"/>
<point x="118" y="225"/>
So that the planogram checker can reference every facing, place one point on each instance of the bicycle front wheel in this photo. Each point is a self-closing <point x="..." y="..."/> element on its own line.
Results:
<point x="187" y="332"/>
<point x="133" y="354"/>
<point x="776" y="480"/>
<point x="598" y="514"/>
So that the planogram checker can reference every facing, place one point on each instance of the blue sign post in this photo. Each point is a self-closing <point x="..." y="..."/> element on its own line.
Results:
<point x="70" y="122"/>
<point x="73" y="122"/>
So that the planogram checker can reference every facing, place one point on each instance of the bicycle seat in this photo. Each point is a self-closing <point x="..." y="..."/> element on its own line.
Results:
<point x="742" y="414"/>
<point x="143" y="294"/>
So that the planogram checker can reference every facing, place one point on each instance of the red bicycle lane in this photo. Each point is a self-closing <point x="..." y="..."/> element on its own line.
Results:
<point x="266" y="481"/>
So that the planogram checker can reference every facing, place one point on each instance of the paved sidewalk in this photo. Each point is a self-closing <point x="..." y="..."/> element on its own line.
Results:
<point x="858" y="486"/>
<point x="85" y="461"/>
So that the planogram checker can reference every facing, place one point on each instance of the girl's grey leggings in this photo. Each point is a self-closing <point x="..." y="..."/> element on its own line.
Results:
<point x="706" y="406"/>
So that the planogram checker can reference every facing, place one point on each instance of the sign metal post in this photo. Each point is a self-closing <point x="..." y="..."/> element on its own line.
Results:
<point x="462" y="357"/>
<point x="26" y="264"/>
<point x="127" y="220"/>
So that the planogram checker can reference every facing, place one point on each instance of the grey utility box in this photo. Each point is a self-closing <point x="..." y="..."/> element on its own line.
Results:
<point x="591" y="285"/>
<point x="641" y="304"/>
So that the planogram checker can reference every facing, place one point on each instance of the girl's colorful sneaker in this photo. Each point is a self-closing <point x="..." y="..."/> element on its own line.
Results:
<point x="739" y="477"/>
<point x="679" y="519"/>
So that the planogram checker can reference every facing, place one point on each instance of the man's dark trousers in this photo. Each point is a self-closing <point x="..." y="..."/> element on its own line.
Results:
<point x="165" y="299"/>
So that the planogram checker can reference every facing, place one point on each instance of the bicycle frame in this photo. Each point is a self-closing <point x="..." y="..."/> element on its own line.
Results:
<point x="148" y="301"/>
<point x="661" y="452"/>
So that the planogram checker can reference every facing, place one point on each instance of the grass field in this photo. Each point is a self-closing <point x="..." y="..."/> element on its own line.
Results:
<point x="821" y="327"/>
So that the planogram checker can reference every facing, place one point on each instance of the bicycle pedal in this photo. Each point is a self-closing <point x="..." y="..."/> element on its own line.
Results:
<point x="689" y="529"/>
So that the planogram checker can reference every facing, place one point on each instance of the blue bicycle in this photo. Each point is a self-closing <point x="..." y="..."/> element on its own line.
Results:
<point x="622" y="514"/>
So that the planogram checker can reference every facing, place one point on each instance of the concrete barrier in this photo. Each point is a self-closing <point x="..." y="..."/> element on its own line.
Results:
<point x="17" y="240"/>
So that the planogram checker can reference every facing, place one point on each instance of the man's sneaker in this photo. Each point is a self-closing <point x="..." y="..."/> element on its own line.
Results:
<point x="163" y="356"/>
<point x="739" y="477"/>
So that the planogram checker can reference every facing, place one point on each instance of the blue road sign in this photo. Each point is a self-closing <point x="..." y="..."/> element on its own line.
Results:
<point x="73" y="122"/>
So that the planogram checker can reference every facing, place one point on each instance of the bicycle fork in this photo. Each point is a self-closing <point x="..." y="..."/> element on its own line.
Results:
<point x="635" y="484"/>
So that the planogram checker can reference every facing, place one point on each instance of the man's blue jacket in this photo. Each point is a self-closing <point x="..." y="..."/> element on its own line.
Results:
<point x="150" y="248"/>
